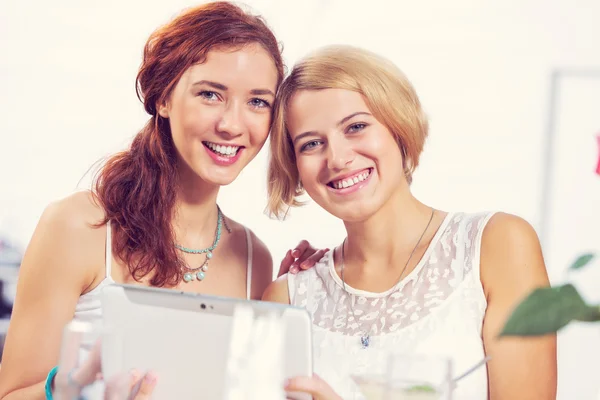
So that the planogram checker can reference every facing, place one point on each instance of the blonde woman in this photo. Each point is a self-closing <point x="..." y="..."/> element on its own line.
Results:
<point x="349" y="130"/>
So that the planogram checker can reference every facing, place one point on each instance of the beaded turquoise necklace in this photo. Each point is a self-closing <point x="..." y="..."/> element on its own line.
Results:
<point x="200" y="273"/>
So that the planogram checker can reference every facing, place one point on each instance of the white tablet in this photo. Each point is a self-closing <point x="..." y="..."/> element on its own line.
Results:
<point x="185" y="338"/>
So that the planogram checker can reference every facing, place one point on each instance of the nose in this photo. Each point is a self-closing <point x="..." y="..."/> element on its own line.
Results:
<point x="231" y="121"/>
<point x="339" y="154"/>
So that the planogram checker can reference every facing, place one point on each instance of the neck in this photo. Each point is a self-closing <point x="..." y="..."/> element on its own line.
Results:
<point x="195" y="214"/>
<point x="384" y="239"/>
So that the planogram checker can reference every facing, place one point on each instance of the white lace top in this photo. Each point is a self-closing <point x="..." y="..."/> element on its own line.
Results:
<point x="437" y="309"/>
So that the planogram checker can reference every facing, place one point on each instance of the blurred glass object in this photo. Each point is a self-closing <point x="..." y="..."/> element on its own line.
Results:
<point x="255" y="360"/>
<point x="80" y="368"/>
<point x="409" y="377"/>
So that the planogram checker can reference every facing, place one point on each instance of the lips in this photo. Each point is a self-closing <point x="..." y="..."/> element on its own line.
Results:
<point x="223" y="155"/>
<point x="350" y="180"/>
<point x="222" y="150"/>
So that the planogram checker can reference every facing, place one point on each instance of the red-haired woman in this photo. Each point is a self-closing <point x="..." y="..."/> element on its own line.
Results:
<point x="208" y="80"/>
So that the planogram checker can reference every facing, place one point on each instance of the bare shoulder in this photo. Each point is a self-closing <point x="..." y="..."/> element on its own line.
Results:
<point x="261" y="256"/>
<point x="512" y="266"/>
<point x="511" y="255"/>
<point x="59" y="264"/>
<point x="79" y="209"/>
<point x="262" y="261"/>
<point x="67" y="229"/>
<point x="504" y="225"/>
<point x="262" y="266"/>
<point x="278" y="291"/>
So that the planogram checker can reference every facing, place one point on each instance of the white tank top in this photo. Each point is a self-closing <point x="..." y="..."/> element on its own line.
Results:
<point x="436" y="309"/>
<point x="88" y="306"/>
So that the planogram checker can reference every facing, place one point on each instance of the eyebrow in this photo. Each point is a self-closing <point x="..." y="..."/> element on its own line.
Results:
<point x="220" y="86"/>
<point x="262" y="92"/>
<point x="212" y="84"/>
<point x="341" y="122"/>
<point x="349" y="117"/>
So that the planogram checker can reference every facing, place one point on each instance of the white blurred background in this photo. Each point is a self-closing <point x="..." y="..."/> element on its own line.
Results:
<point x="483" y="70"/>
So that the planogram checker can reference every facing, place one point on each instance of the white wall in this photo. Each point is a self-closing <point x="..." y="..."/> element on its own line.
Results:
<point x="572" y="223"/>
<point x="67" y="71"/>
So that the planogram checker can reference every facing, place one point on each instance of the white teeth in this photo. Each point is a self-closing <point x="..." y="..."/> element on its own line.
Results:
<point x="223" y="150"/>
<point x="345" y="183"/>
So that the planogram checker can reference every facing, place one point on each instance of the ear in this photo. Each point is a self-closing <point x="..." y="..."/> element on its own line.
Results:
<point x="163" y="110"/>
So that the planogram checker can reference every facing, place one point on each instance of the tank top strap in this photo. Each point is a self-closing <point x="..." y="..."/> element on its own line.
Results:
<point x="108" y="245"/>
<point x="248" y="264"/>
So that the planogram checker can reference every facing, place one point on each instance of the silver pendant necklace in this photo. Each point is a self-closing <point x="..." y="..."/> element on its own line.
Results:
<point x="365" y="337"/>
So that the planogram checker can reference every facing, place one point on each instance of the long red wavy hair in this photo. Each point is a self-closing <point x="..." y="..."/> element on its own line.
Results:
<point x="137" y="187"/>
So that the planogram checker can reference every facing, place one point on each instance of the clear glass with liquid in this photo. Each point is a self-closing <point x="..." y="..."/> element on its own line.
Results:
<point x="409" y="377"/>
<point x="80" y="365"/>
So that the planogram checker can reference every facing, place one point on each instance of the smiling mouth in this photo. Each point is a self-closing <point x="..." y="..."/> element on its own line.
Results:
<point x="350" y="181"/>
<point x="221" y="150"/>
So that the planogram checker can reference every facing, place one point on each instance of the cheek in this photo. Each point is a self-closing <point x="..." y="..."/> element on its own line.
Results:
<point x="189" y="118"/>
<point x="189" y="125"/>
<point x="308" y="172"/>
<point x="258" y="126"/>
<point x="376" y="144"/>
<point x="383" y="148"/>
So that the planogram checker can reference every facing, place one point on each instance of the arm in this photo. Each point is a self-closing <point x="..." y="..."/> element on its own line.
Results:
<point x="52" y="276"/>
<point x="262" y="267"/>
<point x="277" y="291"/>
<point x="511" y="266"/>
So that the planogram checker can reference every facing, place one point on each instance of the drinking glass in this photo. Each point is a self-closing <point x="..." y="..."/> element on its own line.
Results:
<point x="80" y="365"/>
<point x="409" y="377"/>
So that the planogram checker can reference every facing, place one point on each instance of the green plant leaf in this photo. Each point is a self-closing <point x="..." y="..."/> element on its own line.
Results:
<point x="592" y="314"/>
<point x="582" y="261"/>
<point x="546" y="310"/>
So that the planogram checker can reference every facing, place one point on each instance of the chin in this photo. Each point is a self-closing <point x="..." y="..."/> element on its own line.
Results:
<point x="354" y="212"/>
<point x="354" y="216"/>
<point x="212" y="175"/>
<point x="219" y="179"/>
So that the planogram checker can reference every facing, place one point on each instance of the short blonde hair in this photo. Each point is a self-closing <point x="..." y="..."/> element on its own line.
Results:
<point x="388" y="94"/>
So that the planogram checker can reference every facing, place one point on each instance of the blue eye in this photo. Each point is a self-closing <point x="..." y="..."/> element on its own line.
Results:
<point x="259" y="103"/>
<point x="309" y="145"/>
<point x="356" y="127"/>
<point x="208" y="95"/>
